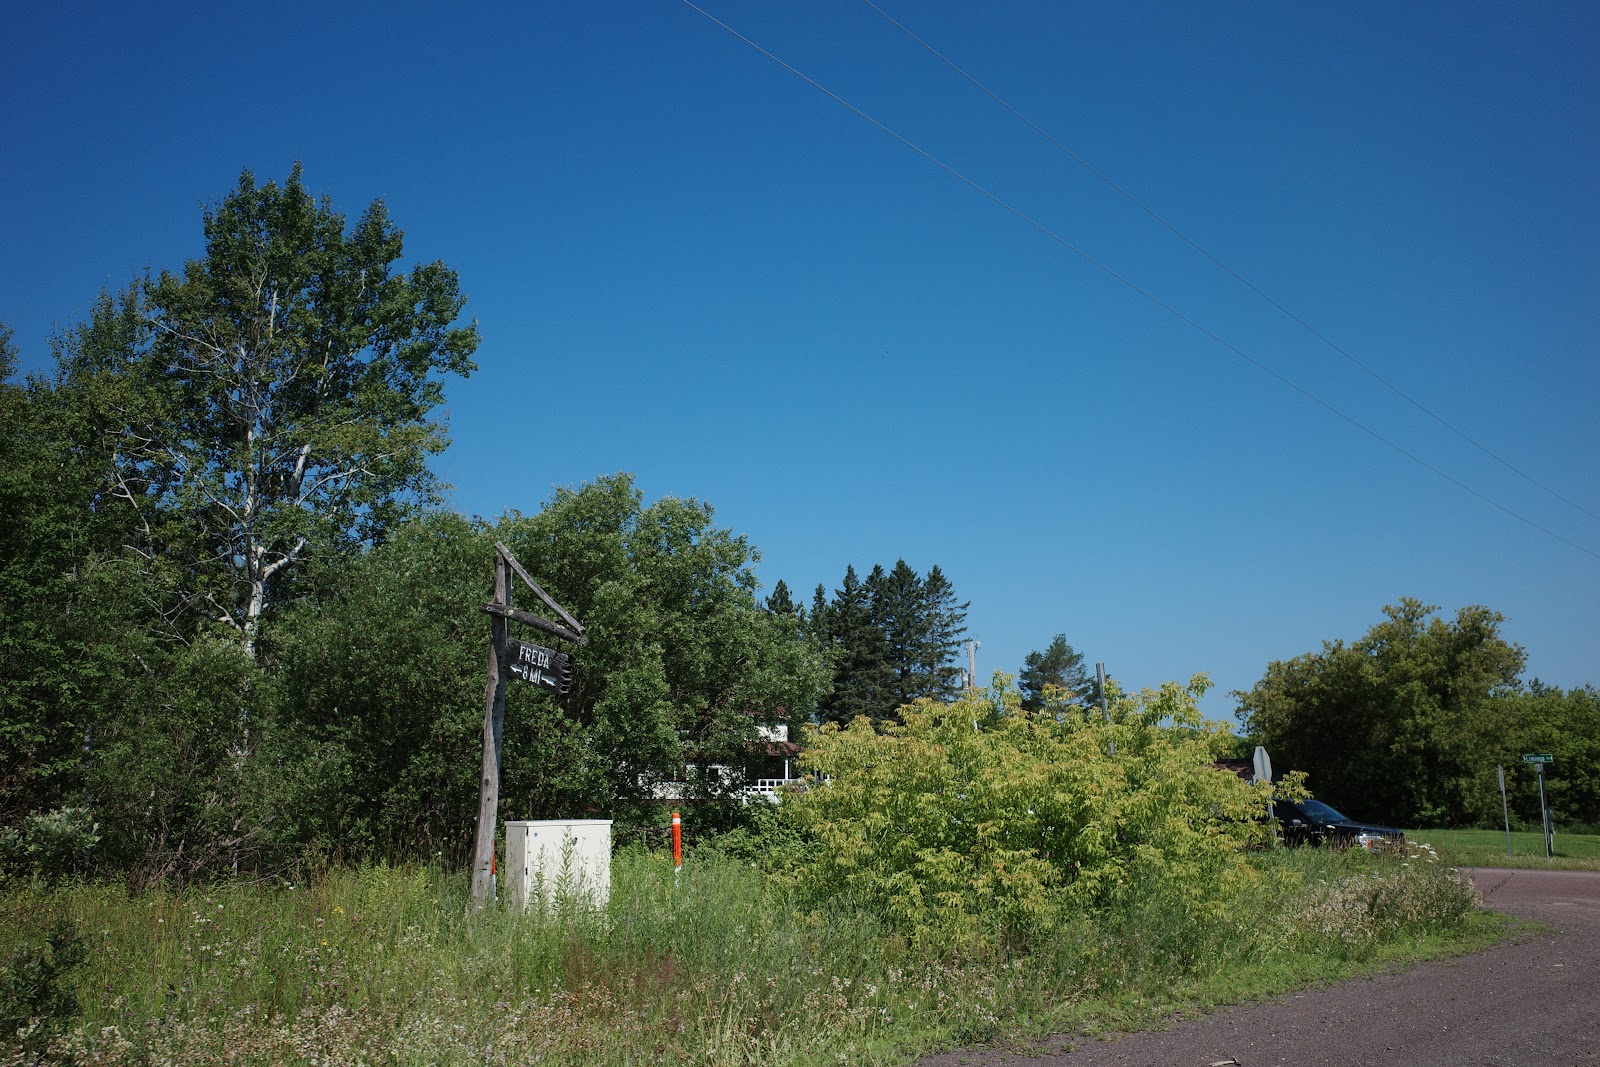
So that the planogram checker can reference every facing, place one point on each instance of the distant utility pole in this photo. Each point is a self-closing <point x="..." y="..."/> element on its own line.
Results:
<point x="1105" y="710"/>
<point x="972" y="663"/>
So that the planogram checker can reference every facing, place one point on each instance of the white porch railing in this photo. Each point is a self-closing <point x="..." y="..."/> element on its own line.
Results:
<point x="770" y="789"/>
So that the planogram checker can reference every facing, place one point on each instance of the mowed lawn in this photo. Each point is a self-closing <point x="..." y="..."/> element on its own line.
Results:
<point x="1487" y="848"/>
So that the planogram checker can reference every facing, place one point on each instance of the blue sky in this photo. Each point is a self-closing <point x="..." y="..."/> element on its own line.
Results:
<point x="688" y="263"/>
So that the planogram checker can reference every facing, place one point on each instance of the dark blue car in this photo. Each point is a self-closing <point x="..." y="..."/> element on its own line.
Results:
<point x="1311" y="822"/>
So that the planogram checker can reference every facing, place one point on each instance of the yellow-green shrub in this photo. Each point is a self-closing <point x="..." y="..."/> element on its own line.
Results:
<point x="979" y="818"/>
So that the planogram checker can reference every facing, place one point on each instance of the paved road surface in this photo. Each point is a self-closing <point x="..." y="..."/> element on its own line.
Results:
<point x="1535" y="1003"/>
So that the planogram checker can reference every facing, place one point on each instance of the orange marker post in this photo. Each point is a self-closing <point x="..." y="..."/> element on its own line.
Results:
<point x="677" y="843"/>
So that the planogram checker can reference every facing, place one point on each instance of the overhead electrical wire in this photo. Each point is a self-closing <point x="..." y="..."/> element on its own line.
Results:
<point x="1241" y="279"/>
<point x="1135" y="287"/>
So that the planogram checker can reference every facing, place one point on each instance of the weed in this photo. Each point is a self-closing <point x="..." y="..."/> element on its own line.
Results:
<point x="37" y="995"/>
<point x="721" y="964"/>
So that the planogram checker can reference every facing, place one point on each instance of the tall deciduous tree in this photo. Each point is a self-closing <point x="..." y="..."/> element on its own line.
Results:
<point x="275" y="396"/>
<point x="383" y="683"/>
<point x="1398" y="725"/>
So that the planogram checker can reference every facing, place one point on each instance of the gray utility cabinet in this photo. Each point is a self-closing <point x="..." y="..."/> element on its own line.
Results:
<point x="558" y="859"/>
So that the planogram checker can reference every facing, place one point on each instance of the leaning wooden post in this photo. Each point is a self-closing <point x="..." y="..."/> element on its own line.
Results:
<point x="494" y="723"/>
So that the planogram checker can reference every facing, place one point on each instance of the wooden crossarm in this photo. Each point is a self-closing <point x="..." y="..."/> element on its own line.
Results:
<point x="505" y="553"/>
<point x="539" y="621"/>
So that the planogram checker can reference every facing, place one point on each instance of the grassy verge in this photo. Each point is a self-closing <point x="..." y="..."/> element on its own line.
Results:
<point x="383" y="965"/>
<point x="1487" y="848"/>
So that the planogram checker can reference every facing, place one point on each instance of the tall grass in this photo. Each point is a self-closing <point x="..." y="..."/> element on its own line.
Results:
<point x="714" y="966"/>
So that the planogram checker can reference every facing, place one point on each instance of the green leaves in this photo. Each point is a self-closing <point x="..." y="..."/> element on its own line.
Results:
<point x="382" y="684"/>
<point x="1395" y="727"/>
<point x="979" y="813"/>
<point x="273" y="397"/>
<point x="682" y="662"/>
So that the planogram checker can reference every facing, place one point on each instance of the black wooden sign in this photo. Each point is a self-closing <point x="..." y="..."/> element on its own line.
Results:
<point x="544" y="667"/>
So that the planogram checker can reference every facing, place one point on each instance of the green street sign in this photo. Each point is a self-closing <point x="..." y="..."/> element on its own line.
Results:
<point x="1538" y="757"/>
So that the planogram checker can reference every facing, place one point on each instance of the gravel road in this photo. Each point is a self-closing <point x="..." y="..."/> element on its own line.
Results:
<point x="1531" y="1003"/>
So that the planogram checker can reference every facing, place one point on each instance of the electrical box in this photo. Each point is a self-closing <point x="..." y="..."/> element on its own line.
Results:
<point x="558" y="860"/>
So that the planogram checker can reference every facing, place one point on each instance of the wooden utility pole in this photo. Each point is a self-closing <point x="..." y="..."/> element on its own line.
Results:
<point x="544" y="667"/>
<point x="494" y="728"/>
<point x="1100" y="681"/>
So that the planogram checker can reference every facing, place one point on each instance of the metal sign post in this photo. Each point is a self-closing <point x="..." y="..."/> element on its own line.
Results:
<point x="1544" y="814"/>
<point x="1539" y="759"/>
<point x="1504" y="807"/>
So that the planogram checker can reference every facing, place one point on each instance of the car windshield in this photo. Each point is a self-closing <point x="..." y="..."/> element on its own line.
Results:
<point x="1321" y="812"/>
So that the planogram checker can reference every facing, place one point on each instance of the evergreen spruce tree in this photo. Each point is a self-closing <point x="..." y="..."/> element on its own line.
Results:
<point x="1059" y="665"/>
<point x="900" y="610"/>
<point x="860" y="666"/>
<point x="893" y="638"/>
<point x="780" y="602"/>
<point x="946" y="625"/>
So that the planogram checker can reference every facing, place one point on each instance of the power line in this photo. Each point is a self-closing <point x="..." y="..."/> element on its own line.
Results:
<point x="1129" y="283"/>
<point x="1241" y="279"/>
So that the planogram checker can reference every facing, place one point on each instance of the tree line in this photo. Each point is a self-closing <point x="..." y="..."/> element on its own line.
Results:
<point x="237" y="629"/>
<point x="240" y="631"/>
<point x="1408" y="723"/>
<point x="892" y="639"/>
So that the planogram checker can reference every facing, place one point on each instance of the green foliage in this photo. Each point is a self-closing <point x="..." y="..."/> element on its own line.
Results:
<point x="381" y="687"/>
<point x="845" y="629"/>
<point x="682" y="663"/>
<point x="892" y="639"/>
<point x="1565" y="724"/>
<point x="50" y="845"/>
<point x="1352" y="906"/>
<point x="273" y="398"/>
<point x="171" y="782"/>
<point x="946" y="621"/>
<point x="1059" y="665"/>
<point x="780" y="602"/>
<point x="37" y="998"/>
<point x="1397" y="726"/>
<point x="72" y="611"/>
<point x="97" y="711"/>
<point x="979" y="814"/>
<point x="379" y="690"/>
<point x="714" y="965"/>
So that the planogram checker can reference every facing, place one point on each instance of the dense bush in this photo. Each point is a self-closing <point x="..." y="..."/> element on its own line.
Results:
<point x="50" y="845"/>
<point x="380" y="685"/>
<point x="979" y="816"/>
<point x="37" y="995"/>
